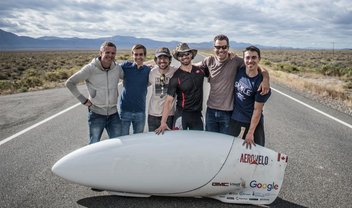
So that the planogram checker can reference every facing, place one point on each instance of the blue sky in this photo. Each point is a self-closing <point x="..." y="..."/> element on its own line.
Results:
<point x="295" y="23"/>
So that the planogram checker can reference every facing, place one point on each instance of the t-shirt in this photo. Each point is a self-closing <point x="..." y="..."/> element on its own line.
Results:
<point x="134" y="91"/>
<point x="189" y="89"/>
<point x="246" y="95"/>
<point x="159" y="85"/>
<point x="221" y="79"/>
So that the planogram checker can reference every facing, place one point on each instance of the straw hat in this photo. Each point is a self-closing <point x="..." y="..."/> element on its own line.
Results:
<point x="183" y="47"/>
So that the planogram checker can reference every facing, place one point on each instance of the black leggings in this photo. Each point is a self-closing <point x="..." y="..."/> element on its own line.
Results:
<point x="191" y="120"/>
<point x="259" y="136"/>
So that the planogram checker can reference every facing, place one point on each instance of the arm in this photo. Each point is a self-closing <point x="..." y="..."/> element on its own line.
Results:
<point x="151" y="77"/>
<point x="249" y="140"/>
<point x="122" y="73"/>
<point x="199" y="64"/>
<point x="264" y="87"/>
<point x="166" y="109"/>
<point x="72" y="82"/>
<point x="204" y="66"/>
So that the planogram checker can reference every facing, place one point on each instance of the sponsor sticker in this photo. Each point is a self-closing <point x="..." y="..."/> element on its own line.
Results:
<point x="282" y="157"/>
<point x="264" y="199"/>
<point x="254" y="159"/>
<point x="226" y="184"/>
<point x="268" y="187"/>
<point x="261" y="194"/>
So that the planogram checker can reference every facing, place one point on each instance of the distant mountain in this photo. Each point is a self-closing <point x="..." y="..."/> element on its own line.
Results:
<point x="11" y="41"/>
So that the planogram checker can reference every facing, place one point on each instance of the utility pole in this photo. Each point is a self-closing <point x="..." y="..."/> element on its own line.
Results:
<point x="333" y="49"/>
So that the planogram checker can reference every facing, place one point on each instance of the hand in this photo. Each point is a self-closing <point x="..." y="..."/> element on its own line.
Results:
<point x="232" y="55"/>
<point x="264" y="87"/>
<point x="162" y="128"/>
<point x="249" y="141"/>
<point x="88" y="103"/>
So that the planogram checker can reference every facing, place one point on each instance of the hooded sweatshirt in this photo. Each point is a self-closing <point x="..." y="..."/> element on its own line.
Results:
<point x="102" y="85"/>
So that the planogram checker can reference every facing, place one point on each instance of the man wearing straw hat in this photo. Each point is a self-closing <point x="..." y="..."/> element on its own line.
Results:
<point x="187" y="84"/>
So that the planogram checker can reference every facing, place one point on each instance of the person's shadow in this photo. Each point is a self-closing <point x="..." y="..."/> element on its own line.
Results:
<point x="166" y="202"/>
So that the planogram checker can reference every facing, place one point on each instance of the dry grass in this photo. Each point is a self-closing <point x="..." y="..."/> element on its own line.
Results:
<point x="319" y="85"/>
<point x="323" y="72"/>
<point x="327" y="74"/>
<point x="22" y="71"/>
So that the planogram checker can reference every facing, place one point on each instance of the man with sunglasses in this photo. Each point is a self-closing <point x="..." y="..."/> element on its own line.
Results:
<point x="187" y="84"/>
<point x="222" y="69"/>
<point x="134" y="91"/>
<point x="159" y="78"/>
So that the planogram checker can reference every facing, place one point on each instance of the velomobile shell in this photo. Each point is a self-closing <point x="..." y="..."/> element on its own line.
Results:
<point x="148" y="163"/>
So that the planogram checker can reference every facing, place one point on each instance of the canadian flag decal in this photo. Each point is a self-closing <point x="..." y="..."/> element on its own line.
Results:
<point x="282" y="157"/>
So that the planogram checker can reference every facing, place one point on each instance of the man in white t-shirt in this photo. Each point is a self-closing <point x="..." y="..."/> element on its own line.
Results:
<point x="159" y="80"/>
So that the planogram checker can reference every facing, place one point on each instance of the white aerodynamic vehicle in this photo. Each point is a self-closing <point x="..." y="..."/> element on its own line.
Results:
<point x="180" y="164"/>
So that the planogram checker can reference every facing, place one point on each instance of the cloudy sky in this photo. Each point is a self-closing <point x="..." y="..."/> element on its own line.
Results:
<point x="294" y="23"/>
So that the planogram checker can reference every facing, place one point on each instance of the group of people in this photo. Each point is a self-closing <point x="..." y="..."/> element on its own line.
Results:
<point x="238" y="90"/>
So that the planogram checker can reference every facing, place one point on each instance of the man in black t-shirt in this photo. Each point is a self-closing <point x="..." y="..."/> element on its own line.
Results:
<point x="187" y="84"/>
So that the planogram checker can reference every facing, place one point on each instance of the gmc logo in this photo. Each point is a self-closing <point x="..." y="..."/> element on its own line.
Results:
<point x="219" y="184"/>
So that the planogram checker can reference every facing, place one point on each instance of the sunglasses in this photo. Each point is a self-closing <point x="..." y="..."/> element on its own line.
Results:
<point x="183" y="54"/>
<point x="224" y="47"/>
<point x="138" y="54"/>
<point x="162" y="79"/>
<point x="162" y="84"/>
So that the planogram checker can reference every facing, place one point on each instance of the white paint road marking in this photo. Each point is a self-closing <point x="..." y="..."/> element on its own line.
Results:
<point x="37" y="124"/>
<point x="319" y="111"/>
<point x="70" y="108"/>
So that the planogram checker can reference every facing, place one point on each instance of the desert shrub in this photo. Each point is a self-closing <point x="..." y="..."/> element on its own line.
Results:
<point x="6" y="85"/>
<point x="32" y="73"/>
<point x="3" y="76"/>
<point x="335" y="70"/>
<point x="52" y="76"/>
<point x="7" y="66"/>
<point x="73" y="70"/>
<point x="348" y="72"/>
<point x="267" y="62"/>
<point x="21" y="68"/>
<point x="30" y="82"/>
<point x="287" y="68"/>
<point x="124" y="57"/>
<point x="63" y="74"/>
<point x="58" y="75"/>
<point x="348" y="84"/>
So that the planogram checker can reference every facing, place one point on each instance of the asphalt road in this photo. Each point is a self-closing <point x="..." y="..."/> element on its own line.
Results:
<point x="319" y="150"/>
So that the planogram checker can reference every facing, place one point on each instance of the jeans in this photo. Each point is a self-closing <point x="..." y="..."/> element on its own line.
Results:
<point x="218" y="121"/>
<point x="97" y="123"/>
<point x="154" y="122"/>
<point x="137" y="119"/>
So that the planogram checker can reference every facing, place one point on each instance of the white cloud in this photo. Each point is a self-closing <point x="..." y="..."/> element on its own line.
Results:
<point x="299" y="23"/>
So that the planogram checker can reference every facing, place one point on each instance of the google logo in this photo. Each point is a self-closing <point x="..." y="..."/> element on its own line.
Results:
<point x="268" y="187"/>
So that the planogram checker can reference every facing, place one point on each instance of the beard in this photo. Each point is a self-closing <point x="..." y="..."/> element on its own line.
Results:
<point x="163" y="66"/>
<point x="186" y="62"/>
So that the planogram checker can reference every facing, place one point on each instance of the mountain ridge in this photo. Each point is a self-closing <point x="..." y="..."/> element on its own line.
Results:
<point x="11" y="41"/>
